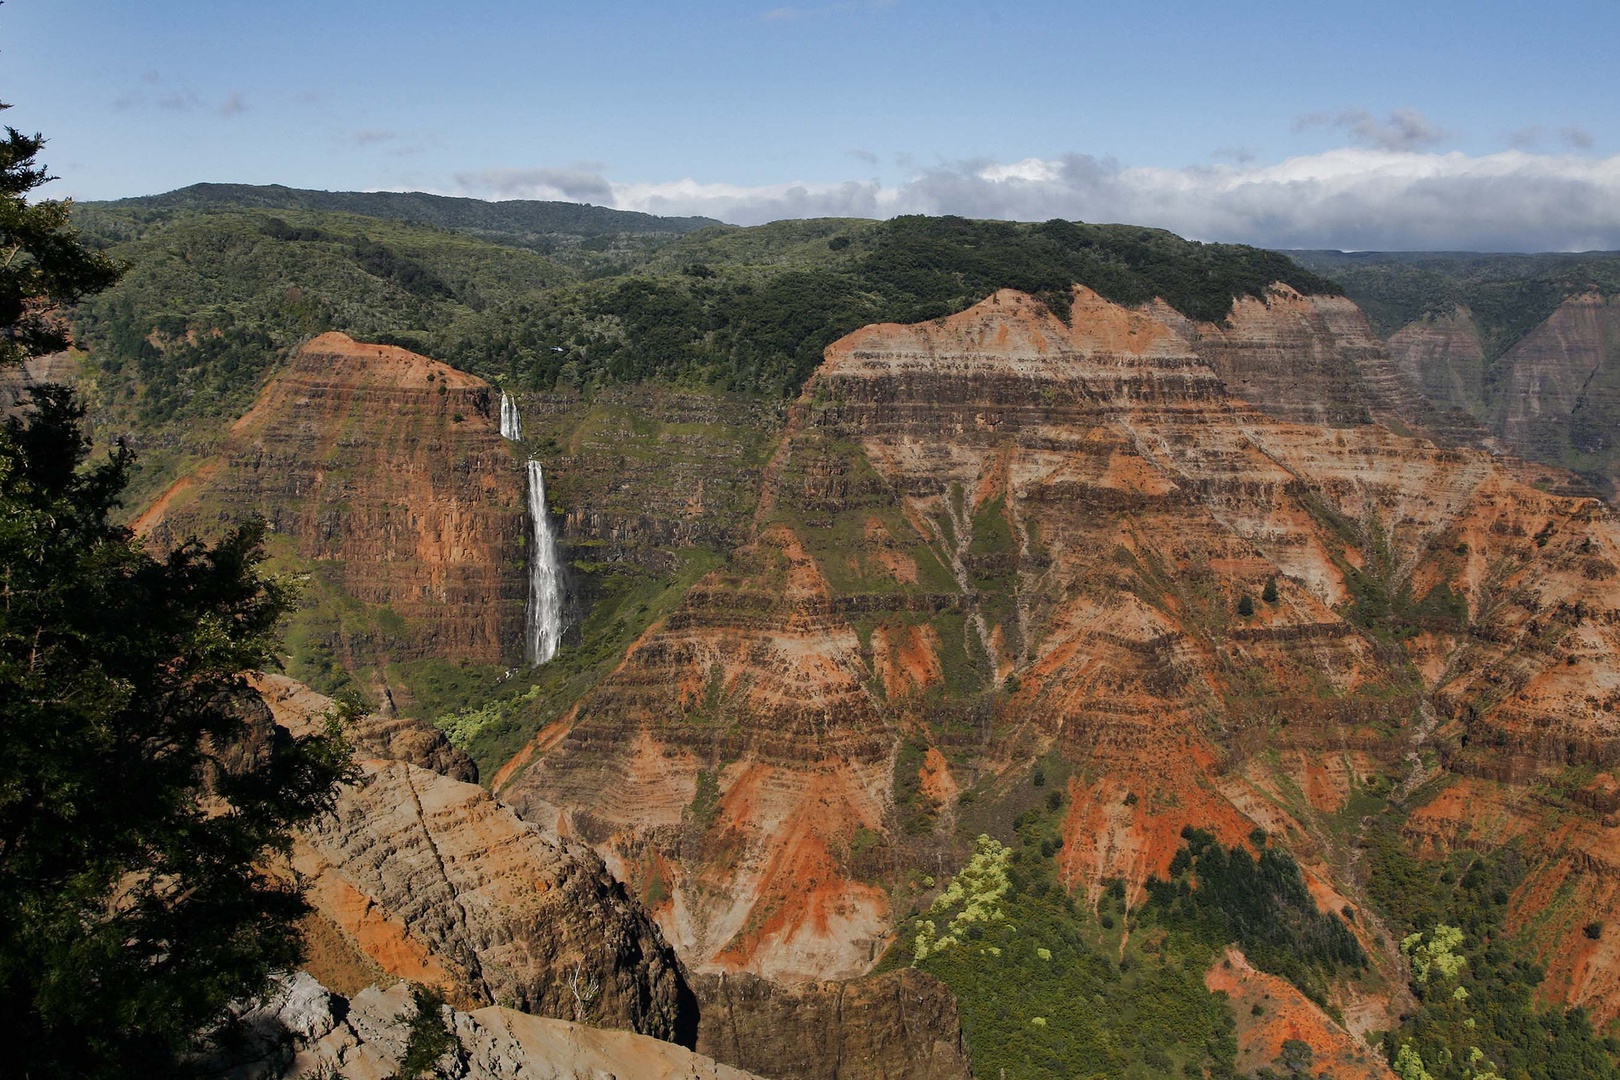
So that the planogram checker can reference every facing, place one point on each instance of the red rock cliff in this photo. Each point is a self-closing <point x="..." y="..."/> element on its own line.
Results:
<point x="1080" y="506"/>
<point x="387" y="469"/>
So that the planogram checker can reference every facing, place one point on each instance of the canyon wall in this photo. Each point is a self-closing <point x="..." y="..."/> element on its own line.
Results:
<point x="996" y="537"/>
<point x="383" y="478"/>
<point x="1553" y="396"/>
<point x="435" y="882"/>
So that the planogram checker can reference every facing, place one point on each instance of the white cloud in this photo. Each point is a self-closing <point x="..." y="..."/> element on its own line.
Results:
<point x="1353" y="198"/>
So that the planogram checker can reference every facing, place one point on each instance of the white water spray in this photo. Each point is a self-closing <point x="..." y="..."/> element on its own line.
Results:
<point x="511" y="422"/>
<point x="543" y="617"/>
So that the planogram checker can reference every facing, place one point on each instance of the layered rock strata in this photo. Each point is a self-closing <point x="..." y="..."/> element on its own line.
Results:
<point x="18" y="381"/>
<point x="1304" y="359"/>
<point x="902" y="1025"/>
<point x="1443" y="355"/>
<point x="1561" y="398"/>
<point x="1553" y="396"/>
<point x="998" y="536"/>
<point x="373" y="735"/>
<point x="437" y="883"/>
<point x="386" y="470"/>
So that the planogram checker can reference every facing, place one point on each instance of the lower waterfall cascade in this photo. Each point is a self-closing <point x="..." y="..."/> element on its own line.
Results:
<point x="543" y="615"/>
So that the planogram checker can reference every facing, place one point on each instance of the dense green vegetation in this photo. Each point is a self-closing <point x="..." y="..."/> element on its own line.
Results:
<point x="1220" y="895"/>
<point x="543" y="226"/>
<point x="732" y="325"/>
<point x="1476" y="1017"/>
<point x="428" y="1036"/>
<point x="1049" y="988"/>
<point x="227" y="278"/>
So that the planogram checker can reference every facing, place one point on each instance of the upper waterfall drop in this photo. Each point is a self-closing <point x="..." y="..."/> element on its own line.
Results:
<point x="543" y="616"/>
<point x="511" y="422"/>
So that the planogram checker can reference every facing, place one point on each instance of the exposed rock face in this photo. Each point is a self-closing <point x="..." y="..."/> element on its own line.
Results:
<point x="437" y="883"/>
<point x="755" y="689"/>
<point x="388" y="469"/>
<point x="1306" y="359"/>
<point x="306" y="1032"/>
<point x="1561" y="401"/>
<point x="1271" y="1011"/>
<point x="63" y="368"/>
<point x="1080" y="506"/>
<point x="899" y="1026"/>
<point x="1554" y="397"/>
<point x="301" y="711"/>
<point x="1444" y="357"/>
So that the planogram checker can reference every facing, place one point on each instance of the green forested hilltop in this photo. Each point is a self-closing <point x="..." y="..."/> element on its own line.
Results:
<point x="228" y="278"/>
<point x="544" y="226"/>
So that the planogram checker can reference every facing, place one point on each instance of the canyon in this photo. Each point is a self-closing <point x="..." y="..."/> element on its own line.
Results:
<point x="1055" y="522"/>
<point x="1258" y="574"/>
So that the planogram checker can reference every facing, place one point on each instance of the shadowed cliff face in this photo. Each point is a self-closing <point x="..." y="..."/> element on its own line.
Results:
<point x="996" y="537"/>
<point x="1561" y="399"/>
<point x="902" y="1025"/>
<point x="383" y="474"/>
<point x="1553" y="397"/>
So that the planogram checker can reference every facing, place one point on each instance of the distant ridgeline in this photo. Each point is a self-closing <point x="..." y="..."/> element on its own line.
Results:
<point x="537" y="295"/>
<point x="1508" y="294"/>
<point x="227" y="277"/>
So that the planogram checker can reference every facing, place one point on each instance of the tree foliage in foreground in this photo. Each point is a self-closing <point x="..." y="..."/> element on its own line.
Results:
<point x="138" y="806"/>
<point x="43" y="267"/>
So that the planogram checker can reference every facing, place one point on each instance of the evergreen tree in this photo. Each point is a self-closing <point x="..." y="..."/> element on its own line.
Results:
<point x="139" y="808"/>
<point x="42" y="264"/>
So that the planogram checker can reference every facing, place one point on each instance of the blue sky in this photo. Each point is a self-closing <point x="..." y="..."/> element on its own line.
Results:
<point x="1481" y="124"/>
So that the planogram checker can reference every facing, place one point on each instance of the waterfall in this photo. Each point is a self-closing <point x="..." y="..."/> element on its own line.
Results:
<point x="543" y="617"/>
<point x="511" y="422"/>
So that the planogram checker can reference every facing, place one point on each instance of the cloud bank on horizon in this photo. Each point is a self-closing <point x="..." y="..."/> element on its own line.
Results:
<point x="1389" y="192"/>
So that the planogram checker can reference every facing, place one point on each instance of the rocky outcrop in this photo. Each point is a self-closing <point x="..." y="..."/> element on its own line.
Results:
<point x="1305" y="359"/>
<point x="902" y="1025"/>
<point x="385" y="473"/>
<point x="373" y="735"/>
<point x="304" y="1032"/>
<point x="1552" y="397"/>
<point x="17" y="380"/>
<point x="437" y="883"/>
